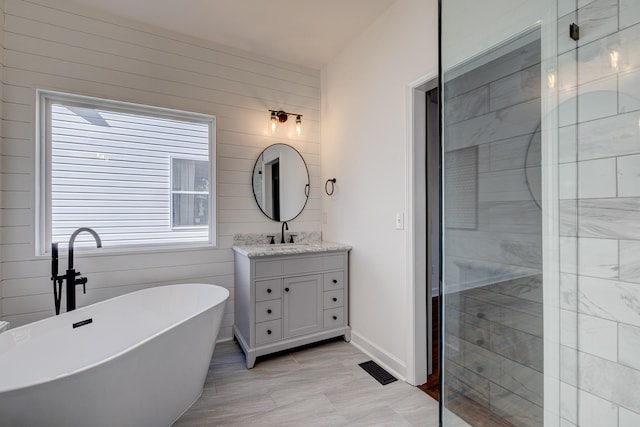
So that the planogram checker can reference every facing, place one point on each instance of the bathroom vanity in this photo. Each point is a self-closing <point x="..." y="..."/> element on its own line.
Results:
<point x="289" y="295"/>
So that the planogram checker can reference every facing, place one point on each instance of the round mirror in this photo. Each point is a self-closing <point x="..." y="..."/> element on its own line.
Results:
<point x="280" y="182"/>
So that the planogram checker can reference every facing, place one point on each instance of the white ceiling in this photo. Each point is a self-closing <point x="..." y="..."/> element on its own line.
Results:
<point x="303" y="32"/>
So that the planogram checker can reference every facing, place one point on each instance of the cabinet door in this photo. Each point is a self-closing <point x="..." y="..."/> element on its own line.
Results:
<point x="302" y="312"/>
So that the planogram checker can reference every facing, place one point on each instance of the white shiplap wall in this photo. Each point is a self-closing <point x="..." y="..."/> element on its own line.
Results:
<point x="51" y="45"/>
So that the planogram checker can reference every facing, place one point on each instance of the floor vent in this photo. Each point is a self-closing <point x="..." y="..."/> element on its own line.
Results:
<point x="382" y="376"/>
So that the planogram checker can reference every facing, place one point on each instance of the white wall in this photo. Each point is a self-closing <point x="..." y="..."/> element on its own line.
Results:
<point x="364" y="146"/>
<point x="51" y="45"/>
<point x="473" y="27"/>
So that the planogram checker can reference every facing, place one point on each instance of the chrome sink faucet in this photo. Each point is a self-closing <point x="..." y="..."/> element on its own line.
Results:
<point x="71" y="274"/>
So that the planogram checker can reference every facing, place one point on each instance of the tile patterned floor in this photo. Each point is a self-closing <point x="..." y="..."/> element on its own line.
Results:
<point x="316" y="386"/>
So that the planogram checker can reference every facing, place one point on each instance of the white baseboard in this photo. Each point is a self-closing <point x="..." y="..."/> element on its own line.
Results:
<point x="389" y="362"/>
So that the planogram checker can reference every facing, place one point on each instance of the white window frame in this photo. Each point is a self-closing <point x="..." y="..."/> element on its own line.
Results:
<point x="43" y="186"/>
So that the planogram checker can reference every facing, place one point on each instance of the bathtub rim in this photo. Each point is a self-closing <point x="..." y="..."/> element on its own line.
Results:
<point x="126" y="350"/>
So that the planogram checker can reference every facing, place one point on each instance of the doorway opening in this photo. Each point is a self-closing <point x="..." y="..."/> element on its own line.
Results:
<point x="275" y="185"/>
<point x="425" y="235"/>
<point x="430" y="176"/>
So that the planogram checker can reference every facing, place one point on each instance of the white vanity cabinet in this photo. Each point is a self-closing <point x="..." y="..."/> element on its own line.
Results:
<point x="287" y="300"/>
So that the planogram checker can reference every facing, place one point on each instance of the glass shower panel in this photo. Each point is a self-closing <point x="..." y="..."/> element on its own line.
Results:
<point x="493" y="235"/>
<point x="506" y="217"/>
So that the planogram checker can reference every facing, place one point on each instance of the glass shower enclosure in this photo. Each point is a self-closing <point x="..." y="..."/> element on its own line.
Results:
<point x="541" y="212"/>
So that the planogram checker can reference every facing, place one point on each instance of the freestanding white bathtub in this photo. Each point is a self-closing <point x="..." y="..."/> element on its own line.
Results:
<point x="142" y="361"/>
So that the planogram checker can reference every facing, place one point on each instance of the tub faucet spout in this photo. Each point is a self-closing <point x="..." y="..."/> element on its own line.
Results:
<point x="72" y="239"/>
<point x="72" y="279"/>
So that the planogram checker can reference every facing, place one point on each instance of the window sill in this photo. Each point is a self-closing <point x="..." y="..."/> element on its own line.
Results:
<point x="81" y="251"/>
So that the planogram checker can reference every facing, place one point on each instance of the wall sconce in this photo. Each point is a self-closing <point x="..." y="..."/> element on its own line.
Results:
<point x="280" y="116"/>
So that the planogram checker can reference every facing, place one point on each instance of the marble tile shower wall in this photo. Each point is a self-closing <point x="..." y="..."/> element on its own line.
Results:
<point x="493" y="225"/>
<point x="599" y="82"/>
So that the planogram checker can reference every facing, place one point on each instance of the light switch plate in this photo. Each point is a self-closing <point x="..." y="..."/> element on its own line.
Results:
<point x="400" y="221"/>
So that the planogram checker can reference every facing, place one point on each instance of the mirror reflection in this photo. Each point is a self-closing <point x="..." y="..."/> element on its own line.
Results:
<point x="281" y="182"/>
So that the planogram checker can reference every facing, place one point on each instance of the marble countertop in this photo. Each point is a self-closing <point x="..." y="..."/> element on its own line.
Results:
<point x="252" y="251"/>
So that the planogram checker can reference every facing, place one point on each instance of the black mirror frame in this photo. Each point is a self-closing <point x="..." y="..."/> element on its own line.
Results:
<point x="307" y="189"/>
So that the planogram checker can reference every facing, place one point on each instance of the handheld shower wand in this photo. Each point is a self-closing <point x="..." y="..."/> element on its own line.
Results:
<point x="57" y="290"/>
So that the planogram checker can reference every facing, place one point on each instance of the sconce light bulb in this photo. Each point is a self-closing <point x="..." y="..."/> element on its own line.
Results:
<point x="614" y="57"/>
<point x="551" y="80"/>
<point x="274" y="122"/>
<point x="298" y="125"/>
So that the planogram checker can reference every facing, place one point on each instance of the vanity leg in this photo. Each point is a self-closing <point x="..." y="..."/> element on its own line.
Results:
<point x="251" y="359"/>
<point x="347" y="335"/>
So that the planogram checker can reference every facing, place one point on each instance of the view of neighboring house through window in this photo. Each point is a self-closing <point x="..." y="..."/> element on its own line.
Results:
<point x="190" y="192"/>
<point x="139" y="176"/>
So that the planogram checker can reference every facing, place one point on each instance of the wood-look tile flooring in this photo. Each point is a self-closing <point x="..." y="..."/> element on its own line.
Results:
<point x="315" y="386"/>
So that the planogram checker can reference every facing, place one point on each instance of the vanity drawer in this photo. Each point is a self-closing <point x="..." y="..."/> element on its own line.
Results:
<point x="307" y="264"/>
<point x="268" y="289"/>
<point x="268" y="268"/>
<point x="334" y="280"/>
<point x="333" y="299"/>
<point x="268" y="331"/>
<point x="333" y="262"/>
<point x="298" y="265"/>
<point x="333" y="318"/>
<point x="268" y="310"/>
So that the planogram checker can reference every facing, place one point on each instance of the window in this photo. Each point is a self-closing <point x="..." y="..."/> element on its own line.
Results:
<point x="189" y="193"/>
<point x="140" y="176"/>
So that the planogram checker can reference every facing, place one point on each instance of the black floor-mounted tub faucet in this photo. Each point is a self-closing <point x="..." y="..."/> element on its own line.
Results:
<point x="71" y="275"/>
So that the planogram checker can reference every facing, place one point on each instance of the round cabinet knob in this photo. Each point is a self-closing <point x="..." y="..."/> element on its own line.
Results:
<point x="268" y="331"/>
<point x="335" y="299"/>
<point x="269" y="290"/>
<point x="335" y="317"/>
<point x="269" y="311"/>
<point x="335" y="280"/>
<point x="286" y="289"/>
